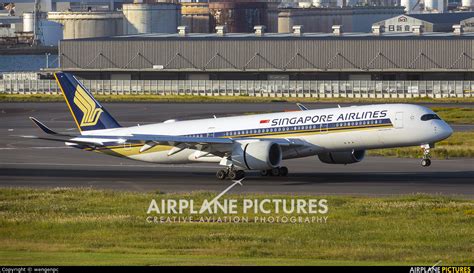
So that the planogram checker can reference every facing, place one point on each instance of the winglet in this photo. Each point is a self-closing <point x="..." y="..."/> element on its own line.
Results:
<point x="302" y="107"/>
<point x="43" y="127"/>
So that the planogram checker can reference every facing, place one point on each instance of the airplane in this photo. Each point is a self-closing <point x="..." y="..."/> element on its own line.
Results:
<point x="252" y="142"/>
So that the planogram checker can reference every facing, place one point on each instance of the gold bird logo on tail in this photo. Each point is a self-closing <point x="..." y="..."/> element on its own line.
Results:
<point x="87" y="105"/>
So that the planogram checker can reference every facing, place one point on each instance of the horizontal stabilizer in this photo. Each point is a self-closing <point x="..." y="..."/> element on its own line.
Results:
<point x="46" y="129"/>
<point x="87" y="143"/>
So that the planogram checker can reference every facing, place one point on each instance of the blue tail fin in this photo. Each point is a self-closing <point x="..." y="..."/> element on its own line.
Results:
<point x="88" y="113"/>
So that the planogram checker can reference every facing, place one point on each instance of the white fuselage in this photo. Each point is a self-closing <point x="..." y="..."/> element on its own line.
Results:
<point x="325" y="130"/>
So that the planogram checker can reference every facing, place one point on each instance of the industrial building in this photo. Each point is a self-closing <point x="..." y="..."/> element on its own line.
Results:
<point x="468" y="24"/>
<point x="269" y="56"/>
<point x="353" y="19"/>
<point x="196" y="16"/>
<point x="204" y="17"/>
<point x="237" y="15"/>
<point x="431" y="22"/>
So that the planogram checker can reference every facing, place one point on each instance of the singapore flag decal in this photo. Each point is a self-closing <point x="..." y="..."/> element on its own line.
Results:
<point x="264" y="121"/>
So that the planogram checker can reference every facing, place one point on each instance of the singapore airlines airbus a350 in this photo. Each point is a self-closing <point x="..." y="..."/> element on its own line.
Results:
<point x="252" y="142"/>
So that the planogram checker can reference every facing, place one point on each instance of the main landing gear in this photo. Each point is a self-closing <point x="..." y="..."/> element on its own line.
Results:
<point x="279" y="171"/>
<point x="230" y="173"/>
<point x="426" y="161"/>
<point x="234" y="174"/>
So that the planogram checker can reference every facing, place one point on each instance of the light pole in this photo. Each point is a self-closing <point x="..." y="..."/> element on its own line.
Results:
<point x="47" y="59"/>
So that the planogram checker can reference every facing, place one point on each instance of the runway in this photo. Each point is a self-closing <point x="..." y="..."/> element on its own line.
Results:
<point x="42" y="164"/>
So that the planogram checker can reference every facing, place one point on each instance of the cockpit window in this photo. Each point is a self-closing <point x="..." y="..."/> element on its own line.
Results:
<point x="429" y="116"/>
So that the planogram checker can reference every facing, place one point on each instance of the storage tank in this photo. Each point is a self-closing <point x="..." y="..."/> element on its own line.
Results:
<point x="429" y="5"/>
<point x="317" y="3"/>
<point x="408" y="4"/>
<point x="196" y="17"/>
<point x="467" y="3"/>
<point x="28" y="22"/>
<point x="240" y="16"/>
<point x="304" y="5"/>
<point x="51" y="32"/>
<point x="151" y="18"/>
<point x="442" y="5"/>
<point x="88" y="24"/>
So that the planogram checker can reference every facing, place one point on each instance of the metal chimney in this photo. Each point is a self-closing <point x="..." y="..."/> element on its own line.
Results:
<point x="182" y="31"/>
<point x="458" y="30"/>
<point x="298" y="30"/>
<point x="377" y="30"/>
<point x="259" y="30"/>
<point x="417" y="30"/>
<point x="337" y="30"/>
<point x="221" y="30"/>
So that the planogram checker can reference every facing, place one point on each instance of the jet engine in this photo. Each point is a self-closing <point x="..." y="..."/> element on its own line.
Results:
<point x="257" y="155"/>
<point x="349" y="157"/>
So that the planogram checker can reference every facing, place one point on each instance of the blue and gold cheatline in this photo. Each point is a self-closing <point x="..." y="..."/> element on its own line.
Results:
<point x="130" y="149"/>
<point x="88" y="113"/>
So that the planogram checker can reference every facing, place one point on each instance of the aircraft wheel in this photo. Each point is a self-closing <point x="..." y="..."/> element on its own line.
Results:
<point x="264" y="172"/>
<point x="275" y="171"/>
<point x="240" y="174"/>
<point x="232" y="175"/>
<point x="426" y="162"/>
<point x="221" y="174"/>
<point x="283" y="171"/>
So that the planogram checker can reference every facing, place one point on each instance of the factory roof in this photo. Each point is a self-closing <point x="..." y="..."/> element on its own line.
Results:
<point x="442" y="18"/>
<point x="283" y="36"/>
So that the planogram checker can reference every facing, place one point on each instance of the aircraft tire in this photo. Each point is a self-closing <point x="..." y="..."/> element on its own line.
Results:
<point x="283" y="171"/>
<point x="232" y="175"/>
<point x="426" y="162"/>
<point x="221" y="174"/>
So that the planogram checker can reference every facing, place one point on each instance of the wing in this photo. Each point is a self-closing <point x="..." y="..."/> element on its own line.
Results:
<point x="213" y="145"/>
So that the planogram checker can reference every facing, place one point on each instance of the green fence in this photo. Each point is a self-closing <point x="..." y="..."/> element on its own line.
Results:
<point x="363" y="89"/>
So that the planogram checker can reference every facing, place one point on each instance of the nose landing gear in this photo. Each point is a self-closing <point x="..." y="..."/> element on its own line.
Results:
<point x="426" y="160"/>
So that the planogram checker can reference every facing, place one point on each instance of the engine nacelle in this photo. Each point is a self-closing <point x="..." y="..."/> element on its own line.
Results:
<point x="258" y="155"/>
<point x="350" y="157"/>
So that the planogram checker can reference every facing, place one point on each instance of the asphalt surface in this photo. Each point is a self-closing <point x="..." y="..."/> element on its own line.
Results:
<point x="43" y="164"/>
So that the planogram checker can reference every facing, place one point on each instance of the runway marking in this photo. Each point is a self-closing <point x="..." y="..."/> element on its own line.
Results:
<point x="236" y="182"/>
<point x="110" y="165"/>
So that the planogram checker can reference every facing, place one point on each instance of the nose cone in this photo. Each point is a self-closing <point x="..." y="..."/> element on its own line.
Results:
<point x="446" y="131"/>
